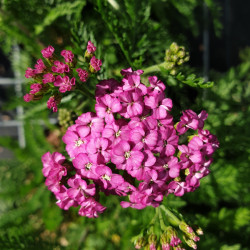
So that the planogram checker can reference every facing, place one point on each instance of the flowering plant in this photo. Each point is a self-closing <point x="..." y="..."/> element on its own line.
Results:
<point x="131" y="146"/>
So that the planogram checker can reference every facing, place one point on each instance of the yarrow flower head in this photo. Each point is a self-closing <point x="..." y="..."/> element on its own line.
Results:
<point x="55" y="77"/>
<point x="132" y="138"/>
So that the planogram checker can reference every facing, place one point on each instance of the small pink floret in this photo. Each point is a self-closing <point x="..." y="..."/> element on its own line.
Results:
<point x="51" y="104"/>
<point x="30" y="73"/>
<point x="68" y="56"/>
<point x="48" y="52"/>
<point x="83" y="74"/>
<point x="28" y="97"/>
<point x="91" y="48"/>
<point x="95" y="63"/>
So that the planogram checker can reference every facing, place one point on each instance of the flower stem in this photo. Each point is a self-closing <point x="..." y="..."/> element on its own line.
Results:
<point x="154" y="68"/>
<point x="152" y="222"/>
<point x="170" y="216"/>
<point x="162" y="224"/>
<point x="86" y="92"/>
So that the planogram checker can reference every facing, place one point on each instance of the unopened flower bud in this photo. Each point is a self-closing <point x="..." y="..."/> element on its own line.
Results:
<point x="152" y="246"/>
<point x="181" y="53"/>
<point x="180" y="62"/>
<point x="196" y="238"/>
<point x="187" y="229"/>
<point x="174" y="58"/>
<point x="174" y="47"/>
<point x="190" y="242"/>
<point x="152" y="239"/>
<point x="165" y="246"/>
<point x="169" y="65"/>
<point x="140" y="242"/>
<point x="190" y="229"/>
<point x="173" y="72"/>
<point x="64" y="118"/>
<point x="164" y="238"/>
<point x="198" y="230"/>
<point x="186" y="59"/>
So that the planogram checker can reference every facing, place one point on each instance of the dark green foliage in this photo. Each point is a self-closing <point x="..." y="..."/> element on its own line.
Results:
<point x="136" y="34"/>
<point x="222" y="203"/>
<point x="29" y="242"/>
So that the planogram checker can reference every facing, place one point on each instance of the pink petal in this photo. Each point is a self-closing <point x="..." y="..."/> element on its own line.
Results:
<point x="151" y="138"/>
<point x="69" y="137"/>
<point x="121" y="148"/>
<point x="135" y="109"/>
<point x="136" y="158"/>
<point x="116" y="106"/>
<point x="83" y="131"/>
<point x="80" y="161"/>
<point x="125" y="204"/>
<point x="91" y="147"/>
<point x="170" y="150"/>
<point x="117" y="179"/>
<point x="73" y="192"/>
<point x="174" y="171"/>
<point x="196" y="157"/>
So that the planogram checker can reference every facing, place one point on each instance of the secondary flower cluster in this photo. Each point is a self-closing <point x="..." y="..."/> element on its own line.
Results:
<point x="169" y="238"/>
<point x="175" y="56"/>
<point x="55" y="76"/>
<point x="130" y="147"/>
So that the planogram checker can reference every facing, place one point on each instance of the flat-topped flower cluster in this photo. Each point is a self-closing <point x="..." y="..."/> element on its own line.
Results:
<point x="56" y="77"/>
<point x="130" y="147"/>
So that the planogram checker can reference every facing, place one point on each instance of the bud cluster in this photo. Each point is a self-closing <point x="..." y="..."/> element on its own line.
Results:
<point x="56" y="76"/>
<point x="129" y="147"/>
<point x="175" y="56"/>
<point x="171" y="236"/>
<point x="65" y="118"/>
<point x="168" y="239"/>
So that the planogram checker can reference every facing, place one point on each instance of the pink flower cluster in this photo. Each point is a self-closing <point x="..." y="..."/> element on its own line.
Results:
<point x="55" y="77"/>
<point x="130" y="147"/>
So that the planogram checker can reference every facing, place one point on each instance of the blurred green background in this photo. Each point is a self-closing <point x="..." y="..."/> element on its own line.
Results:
<point x="126" y="33"/>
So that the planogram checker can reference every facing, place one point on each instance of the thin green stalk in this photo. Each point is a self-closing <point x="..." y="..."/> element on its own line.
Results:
<point x="86" y="92"/>
<point x="154" y="68"/>
<point x="152" y="222"/>
<point x="162" y="224"/>
<point x="170" y="216"/>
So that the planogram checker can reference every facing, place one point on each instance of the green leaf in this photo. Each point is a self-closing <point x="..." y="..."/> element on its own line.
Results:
<point x="60" y="10"/>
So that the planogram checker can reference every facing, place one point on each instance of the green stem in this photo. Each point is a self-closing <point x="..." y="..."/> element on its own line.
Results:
<point x="86" y="92"/>
<point x="152" y="222"/>
<point x="170" y="216"/>
<point x="162" y="224"/>
<point x="80" y="107"/>
<point x="154" y="68"/>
